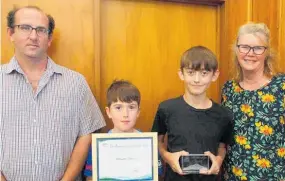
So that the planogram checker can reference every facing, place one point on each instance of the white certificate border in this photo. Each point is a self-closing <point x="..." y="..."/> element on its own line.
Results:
<point x="123" y="136"/>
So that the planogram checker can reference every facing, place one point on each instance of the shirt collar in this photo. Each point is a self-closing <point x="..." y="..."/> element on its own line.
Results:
<point x="14" y="65"/>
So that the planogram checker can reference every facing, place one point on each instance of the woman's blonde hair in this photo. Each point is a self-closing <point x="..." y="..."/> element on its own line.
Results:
<point x="270" y="69"/>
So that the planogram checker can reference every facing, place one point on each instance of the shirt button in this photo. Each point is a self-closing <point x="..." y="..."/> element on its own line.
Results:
<point x="35" y="120"/>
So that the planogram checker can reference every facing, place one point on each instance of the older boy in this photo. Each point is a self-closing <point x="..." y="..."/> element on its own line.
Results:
<point x="194" y="124"/>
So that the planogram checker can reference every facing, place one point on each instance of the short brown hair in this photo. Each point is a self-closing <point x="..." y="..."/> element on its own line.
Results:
<point x="199" y="57"/>
<point x="122" y="90"/>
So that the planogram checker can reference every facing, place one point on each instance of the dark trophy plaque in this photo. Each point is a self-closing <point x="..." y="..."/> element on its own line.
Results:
<point x="191" y="164"/>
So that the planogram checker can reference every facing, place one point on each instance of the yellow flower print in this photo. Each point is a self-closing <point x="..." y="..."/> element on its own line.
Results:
<point x="237" y="171"/>
<point x="245" y="108"/>
<point x="258" y="124"/>
<point x="241" y="140"/>
<point x="268" y="98"/>
<point x="237" y="89"/>
<point x="247" y="147"/>
<point x="259" y="93"/>
<point x="255" y="157"/>
<point x="282" y="120"/>
<point x="283" y="86"/>
<point x="266" y="130"/>
<point x="243" y="178"/>
<point x="281" y="152"/>
<point x="263" y="163"/>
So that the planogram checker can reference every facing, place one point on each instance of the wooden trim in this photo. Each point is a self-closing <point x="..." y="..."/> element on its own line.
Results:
<point x="203" y="2"/>
<point x="218" y="45"/>
<point x="223" y="45"/>
<point x="97" y="49"/>
<point x="281" y="5"/>
<point x="249" y="10"/>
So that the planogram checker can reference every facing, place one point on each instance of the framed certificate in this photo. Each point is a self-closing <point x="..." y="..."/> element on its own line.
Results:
<point x="124" y="156"/>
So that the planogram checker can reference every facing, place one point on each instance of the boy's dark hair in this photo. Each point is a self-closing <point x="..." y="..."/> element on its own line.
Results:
<point x="197" y="58"/>
<point x="122" y="90"/>
<point x="12" y="13"/>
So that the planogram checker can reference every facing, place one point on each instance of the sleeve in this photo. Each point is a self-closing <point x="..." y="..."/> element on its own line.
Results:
<point x="159" y="124"/>
<point x="90" y="117"/>
<point x="228" y="130"/>
<point x="88" y="164"/>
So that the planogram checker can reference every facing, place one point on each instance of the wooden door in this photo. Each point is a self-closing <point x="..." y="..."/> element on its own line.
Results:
<point x="142" y="41"/>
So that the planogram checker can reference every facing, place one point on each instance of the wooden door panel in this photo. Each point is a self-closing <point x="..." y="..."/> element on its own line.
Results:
<point x="142" y="41"/>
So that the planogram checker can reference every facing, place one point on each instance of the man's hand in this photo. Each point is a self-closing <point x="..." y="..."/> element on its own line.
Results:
<point x="2" y="177"/>
<point x="173" y="160"/>
<point x="78" y="158"/>
<point x="216" y="165"/>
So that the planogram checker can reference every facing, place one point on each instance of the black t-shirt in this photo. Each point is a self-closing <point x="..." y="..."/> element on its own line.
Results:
<point x="192" y="130"/>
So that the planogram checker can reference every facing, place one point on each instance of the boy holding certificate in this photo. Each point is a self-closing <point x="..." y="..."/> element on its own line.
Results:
<point x="123" y="99"/>
<point x="191" y="127"/>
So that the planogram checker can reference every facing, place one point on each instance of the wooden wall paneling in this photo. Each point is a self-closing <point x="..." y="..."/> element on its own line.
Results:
<point x="220" y="44"/>
<point x="268" y="12"/>
<point x="97" y="50"/>
<point x="203" y="2"/>
<point x="233" y="15"/>
<point x="1" y="21"/>
<point x="73" y="40"/>
<point x="223" y="48"/>
<point x="281" y="48"/>
<point x="142" y="41"/>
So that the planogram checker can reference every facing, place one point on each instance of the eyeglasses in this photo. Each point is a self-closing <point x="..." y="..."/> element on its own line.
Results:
<point x="258" y="50"/>
<point x="27" y="30"/>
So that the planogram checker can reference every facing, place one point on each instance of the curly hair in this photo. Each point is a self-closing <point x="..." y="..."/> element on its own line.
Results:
<point x="11" y="18"/>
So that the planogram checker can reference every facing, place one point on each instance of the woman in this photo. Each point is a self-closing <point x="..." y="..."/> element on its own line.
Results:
<point x="257" y="98"/>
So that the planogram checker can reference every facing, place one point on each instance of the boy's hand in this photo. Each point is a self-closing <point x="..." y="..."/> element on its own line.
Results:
<point x="173" y="160"/>
<point x="216" y="165"/>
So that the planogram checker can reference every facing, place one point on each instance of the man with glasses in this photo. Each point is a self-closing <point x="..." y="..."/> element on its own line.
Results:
<point x="47" y="111"/>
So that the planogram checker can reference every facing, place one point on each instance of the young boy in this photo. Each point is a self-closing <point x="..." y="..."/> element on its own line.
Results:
<point x="123" y="99"/>
<point x="193" y="123"/>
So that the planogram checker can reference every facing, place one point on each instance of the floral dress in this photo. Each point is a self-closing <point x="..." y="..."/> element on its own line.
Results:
<point x="258" y="149"/>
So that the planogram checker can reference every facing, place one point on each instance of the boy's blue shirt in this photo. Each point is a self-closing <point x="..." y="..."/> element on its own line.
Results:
<point x="88" y="164"/>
